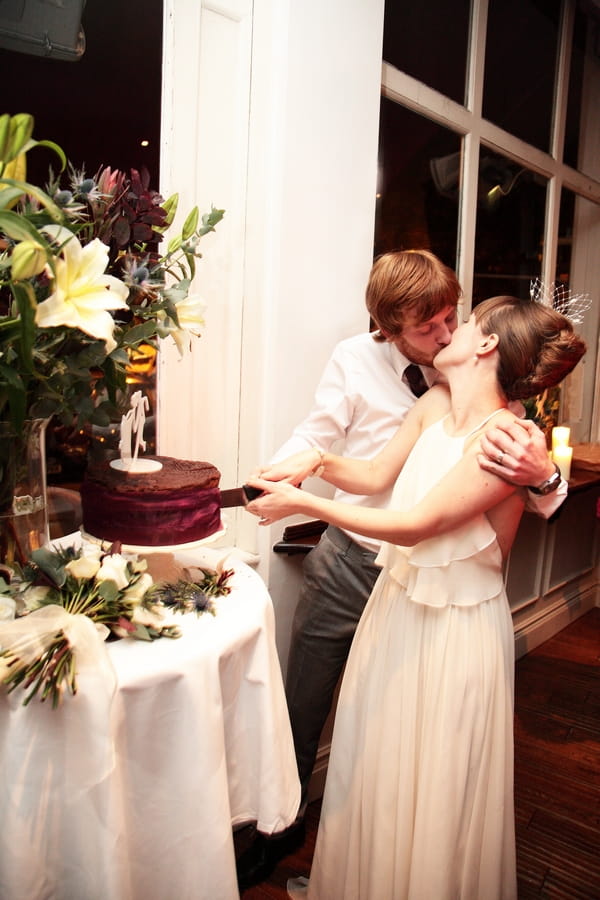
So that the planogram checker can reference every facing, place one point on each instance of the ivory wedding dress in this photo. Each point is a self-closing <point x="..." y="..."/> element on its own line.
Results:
<point x="419" y="797"/>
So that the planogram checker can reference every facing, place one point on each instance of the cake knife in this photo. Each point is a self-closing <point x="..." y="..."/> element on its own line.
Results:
<point x="239" y="496"/>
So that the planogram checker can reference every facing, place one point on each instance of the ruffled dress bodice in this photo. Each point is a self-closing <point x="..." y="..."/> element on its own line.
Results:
<point x="462" y="567"/>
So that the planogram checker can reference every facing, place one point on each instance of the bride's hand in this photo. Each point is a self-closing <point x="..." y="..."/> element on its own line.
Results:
<point x="278" y="500"/>
<point x="293" y="469"/>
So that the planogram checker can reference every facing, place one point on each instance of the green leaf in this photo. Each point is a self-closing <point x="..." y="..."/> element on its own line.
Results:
<point x="108" y="590"/>
<point x="4" y="136"/>
<point x="51" y="564"/>
<point x="26" y="302"/>
<point x="9" y="196"/>
<point x="209" y="220"/>
<point x="21" y="129"/>
<point x="174" y="244"/>
<point x="17" y="227"/>
<point x="190" y="224"/>
<point x="139" y="334"/>
<point x="170" y="207"/>
<point x="41" y="196"/>
<point x="52" y="146"/>
<point x="141" y="633"/>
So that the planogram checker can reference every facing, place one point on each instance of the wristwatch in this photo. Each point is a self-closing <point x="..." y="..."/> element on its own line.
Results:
<point x="549" y="485"/>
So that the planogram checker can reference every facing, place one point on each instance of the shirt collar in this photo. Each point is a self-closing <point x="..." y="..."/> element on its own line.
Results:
<point x="400" y="362"/>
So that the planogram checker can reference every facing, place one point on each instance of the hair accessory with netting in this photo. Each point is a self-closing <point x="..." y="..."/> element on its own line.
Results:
<point x="560" y="298"/>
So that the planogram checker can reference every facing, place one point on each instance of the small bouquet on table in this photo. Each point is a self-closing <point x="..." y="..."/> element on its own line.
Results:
<point x="67" y="601"/>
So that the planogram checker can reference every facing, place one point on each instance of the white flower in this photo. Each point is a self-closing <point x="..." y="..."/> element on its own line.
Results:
<point x="135" y="593"/>
<point x="7" y="607"/>
<point x="114" y="568"/>
<point x="190" y="312"/>
<point x="83" y="294"/>
<point x="143" y="616"/>
<point x="84" y="567"/>
<point x="34" y="597"/>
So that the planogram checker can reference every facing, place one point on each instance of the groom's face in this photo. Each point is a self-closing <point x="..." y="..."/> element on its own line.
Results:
<point x="420" y="342"/>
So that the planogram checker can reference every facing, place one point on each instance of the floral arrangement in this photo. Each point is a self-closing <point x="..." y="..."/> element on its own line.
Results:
<point x="193" y="596"/>
<point x="82" y="283"/>
<point x="66" y="601"/>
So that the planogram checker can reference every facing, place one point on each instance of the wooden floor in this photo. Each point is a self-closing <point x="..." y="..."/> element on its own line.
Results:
<point x="557" y="774"/>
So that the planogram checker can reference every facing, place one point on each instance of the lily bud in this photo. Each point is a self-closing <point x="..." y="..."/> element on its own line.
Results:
<point x="27" y="259"/>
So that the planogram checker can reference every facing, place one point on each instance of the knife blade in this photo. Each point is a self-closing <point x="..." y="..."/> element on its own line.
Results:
<point x="238" y="496"/>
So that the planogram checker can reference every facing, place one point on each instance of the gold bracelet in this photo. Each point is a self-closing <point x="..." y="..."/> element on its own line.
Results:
<point x="320" y="466"/>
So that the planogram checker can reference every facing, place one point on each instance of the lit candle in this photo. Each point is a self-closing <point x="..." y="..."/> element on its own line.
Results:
<point x="560" y="437"/>
<point x="563" y="457"/>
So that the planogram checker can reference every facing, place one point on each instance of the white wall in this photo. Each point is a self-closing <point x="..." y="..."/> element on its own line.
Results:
<point x="270" y="110"/>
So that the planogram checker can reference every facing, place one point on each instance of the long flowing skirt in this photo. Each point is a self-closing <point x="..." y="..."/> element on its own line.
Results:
<point x="419" y="797"/>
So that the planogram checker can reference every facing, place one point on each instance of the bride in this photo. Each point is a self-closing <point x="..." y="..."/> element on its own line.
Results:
<point x="419" y="796"/>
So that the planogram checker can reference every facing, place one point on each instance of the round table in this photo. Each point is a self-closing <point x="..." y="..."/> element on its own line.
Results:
<point x="132" y="795"/>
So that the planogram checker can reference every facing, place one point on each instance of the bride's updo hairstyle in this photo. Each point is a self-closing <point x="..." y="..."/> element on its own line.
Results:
<point x="537" y="346"/>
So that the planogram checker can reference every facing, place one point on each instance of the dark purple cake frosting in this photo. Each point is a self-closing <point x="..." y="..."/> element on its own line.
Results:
<point x="179" y="504"/>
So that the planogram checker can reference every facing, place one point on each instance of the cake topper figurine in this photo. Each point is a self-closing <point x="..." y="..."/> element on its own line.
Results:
<point x="132" y="427"/>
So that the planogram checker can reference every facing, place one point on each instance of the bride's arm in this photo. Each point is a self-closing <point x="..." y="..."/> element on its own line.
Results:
<point x="461" y="494"/>
<point x="362" y="476"/>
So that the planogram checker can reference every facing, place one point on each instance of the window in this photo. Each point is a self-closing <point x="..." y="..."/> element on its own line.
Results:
<point x="501" y="171"/>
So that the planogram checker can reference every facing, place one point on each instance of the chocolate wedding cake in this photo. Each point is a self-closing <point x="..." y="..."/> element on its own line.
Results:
<point x="178" y="504"/>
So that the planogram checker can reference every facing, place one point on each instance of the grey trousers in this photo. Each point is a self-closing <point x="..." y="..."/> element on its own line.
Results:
<point x="339" y="576"/>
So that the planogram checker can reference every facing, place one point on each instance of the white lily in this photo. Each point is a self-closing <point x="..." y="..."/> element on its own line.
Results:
<point x="190" y="312"/>
<point x="83" y="294"/>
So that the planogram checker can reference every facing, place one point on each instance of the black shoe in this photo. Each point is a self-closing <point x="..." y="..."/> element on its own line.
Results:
<point x="258" y="861"/>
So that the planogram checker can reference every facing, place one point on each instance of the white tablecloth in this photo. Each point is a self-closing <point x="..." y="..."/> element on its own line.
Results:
<point x="133" y="797"/>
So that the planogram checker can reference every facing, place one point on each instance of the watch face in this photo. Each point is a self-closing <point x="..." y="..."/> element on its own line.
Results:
<point x="551" y="484"/>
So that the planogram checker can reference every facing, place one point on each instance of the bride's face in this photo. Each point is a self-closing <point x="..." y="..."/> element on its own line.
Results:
<point x="462" y="347"/>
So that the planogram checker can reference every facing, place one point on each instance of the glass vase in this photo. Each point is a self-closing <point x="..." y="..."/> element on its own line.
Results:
<point x="23" y="500"/>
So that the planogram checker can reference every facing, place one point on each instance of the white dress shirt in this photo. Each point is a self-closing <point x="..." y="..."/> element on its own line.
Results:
<point x="361" y="400"/>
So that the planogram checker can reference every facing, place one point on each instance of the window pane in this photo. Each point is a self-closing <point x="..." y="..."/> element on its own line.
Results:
<point x="429" y="41"/>
<point x="419" y="166"/>
<point x="584" y="90"/>
<point x="100" y="108"/>
<point x="510" y="228"/>
<point x="520" y="63"/>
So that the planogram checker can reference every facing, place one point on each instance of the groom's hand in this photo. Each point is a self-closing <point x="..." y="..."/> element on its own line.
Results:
<point x="516" y="452"/>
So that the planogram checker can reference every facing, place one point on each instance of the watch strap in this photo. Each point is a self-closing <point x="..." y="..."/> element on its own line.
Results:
<point x="549" y="485"/>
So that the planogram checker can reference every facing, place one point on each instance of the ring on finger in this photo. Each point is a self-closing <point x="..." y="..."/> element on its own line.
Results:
<point x="500" y="457"/>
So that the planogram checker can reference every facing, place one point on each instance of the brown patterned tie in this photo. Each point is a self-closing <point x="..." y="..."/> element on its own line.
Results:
<point x="413" y="377"/>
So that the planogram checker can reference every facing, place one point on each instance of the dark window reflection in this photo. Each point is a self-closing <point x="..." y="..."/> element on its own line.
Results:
<point x="582" y="109"/>
<point x="419" y="166"/>
<point x="510" y="228"/>
<point x="520" y="66"/>
<point x="99" y="108"/>
<point x="429" y="41"/>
